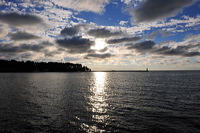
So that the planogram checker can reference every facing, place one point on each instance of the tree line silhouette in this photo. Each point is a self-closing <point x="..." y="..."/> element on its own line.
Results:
<point x="31" y="66"/>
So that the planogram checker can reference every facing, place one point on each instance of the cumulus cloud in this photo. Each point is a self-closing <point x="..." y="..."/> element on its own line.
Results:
<point x="122" y="40"/>
<point x="10" y="48"/>
<point x="150" y="47"/>
<point x="145" y="46"/>
<point x="103" y="33"/>
<point x="16" y="19"/>
<point x="151" y="10"/>
<point x="96" y="6"/>
<point x="100" y="56"/>
<point x="74" y="30"/>
<point x="22" y="36"/>
<point x="76" y="44"/>
<point x="178" y="51"/>
<point x="69" y="31"/>
<point x="172" y="26"/>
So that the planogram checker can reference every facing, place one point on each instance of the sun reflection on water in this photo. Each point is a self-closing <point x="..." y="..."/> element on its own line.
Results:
<point x="98" y="99"/>
<point x="98" y="102"/>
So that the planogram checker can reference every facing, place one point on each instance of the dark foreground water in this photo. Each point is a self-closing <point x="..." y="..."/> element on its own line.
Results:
<point x="153" y="102"/>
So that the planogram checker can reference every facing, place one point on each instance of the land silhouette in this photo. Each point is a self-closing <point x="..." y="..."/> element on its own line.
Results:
<point x="31" y="66"/>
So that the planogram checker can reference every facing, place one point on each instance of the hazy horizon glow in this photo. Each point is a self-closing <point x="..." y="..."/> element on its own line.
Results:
<point x="103" y="34"/>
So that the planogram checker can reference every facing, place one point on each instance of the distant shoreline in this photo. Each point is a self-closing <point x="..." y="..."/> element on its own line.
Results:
<point x="144" y="71"/>
<point x="122" y="71"/>
<point x="102" y="71"/>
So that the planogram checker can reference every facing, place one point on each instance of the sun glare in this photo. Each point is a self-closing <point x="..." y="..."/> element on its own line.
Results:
<point x="99" y="44"/>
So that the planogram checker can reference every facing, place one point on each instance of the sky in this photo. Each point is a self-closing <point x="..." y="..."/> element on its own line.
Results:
<point x="103" y="34"/>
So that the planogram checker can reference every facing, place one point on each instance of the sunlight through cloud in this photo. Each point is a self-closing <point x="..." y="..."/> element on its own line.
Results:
<point x="99" y="44"/>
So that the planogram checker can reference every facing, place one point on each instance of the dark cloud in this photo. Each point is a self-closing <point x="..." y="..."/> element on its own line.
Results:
<point x="145" y="46"/>
<point x="10" y="48"/>
<point x="170" y="51"/>
<point x="69" y="31"/>
<point x="74" y="30"/>
<point x="40" y="47"/>
<point x="178" y="51"/>
<point x="100" y="56"/>
<point x="122" y="40"/>
<point x="76" y="44"/>
<point x="26" y="55"/>
<point x="150" y="47"/>
<point x="191" y="54"/>
<point x="19" y="19"/>
<point x="103" y="33"/>
<point x="151" y="10"/>
<point x="127" y="55"/>
<point x="22" y="36"/>
<point x="26" y="47"/>
<point x="48" y="53"/>
<point x="46" y="43"/>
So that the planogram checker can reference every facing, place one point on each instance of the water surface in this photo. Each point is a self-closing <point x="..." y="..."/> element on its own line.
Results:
<point x="100" y="102"/>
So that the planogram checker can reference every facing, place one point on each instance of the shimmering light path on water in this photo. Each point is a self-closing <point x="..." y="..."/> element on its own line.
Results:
<point x="100" y="102"/>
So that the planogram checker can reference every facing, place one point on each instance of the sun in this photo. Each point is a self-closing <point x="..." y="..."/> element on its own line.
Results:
<point x="99" y="44"/>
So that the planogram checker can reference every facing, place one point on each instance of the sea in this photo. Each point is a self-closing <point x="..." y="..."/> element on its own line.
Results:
<point x="121" y="102"/>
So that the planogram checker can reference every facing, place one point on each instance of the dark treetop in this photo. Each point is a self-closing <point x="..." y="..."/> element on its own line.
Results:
<point x="30" y="66"/>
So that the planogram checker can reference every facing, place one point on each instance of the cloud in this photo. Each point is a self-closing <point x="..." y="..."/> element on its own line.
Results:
<point x="10" y="48"/>
<point x="178" y="51"/>
<point x="145" y="46"/>
<point x="51" y="53"/>
<point x="76" y="44"/>
<point x="69" y="31"/>
<point x="122" y="40"/>
<point x="191" y="54"/>
<point x="158" y="32"/>
<point x="1" y="32"/>
<point x="74" y="30"/>
<point x="103" y="33"/>
<point x="165" y="50"/>
<point x="16" y="19"/>
<point x="104" y="49"/>
<point x="22" y="36"/>
<point x="151" y="48"/>
<point x="151" y="10"/>
<point x="96" y="6"/>
<point x="184" y="23"/>
<point x="27" y="47"/>
<point x="123" y="23"/>
<point x="100" y="56"/>
<point x="126" y="1"/>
